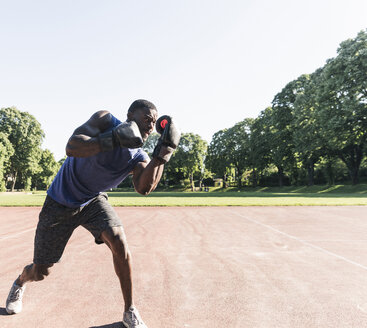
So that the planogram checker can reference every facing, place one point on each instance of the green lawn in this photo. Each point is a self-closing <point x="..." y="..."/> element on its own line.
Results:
<point x="286" y="196"/>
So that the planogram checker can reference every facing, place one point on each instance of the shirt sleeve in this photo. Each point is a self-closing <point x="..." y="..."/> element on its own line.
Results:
<point x="140" y="156"/>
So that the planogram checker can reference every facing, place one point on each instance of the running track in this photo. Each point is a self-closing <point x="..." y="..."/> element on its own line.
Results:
<point x="201" y="267"/>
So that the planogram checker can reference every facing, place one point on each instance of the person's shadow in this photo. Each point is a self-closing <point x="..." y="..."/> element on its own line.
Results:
<point x="3" y="311"/>
<point x="111" y="325"/>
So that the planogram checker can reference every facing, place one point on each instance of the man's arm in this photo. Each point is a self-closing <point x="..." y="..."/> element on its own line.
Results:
<point x="146" y="176"/>
<point x="85" y="142"/>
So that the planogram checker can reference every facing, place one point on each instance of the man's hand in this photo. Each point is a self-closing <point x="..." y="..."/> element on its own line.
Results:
<point x="146" y="176"/>
<point x="169" y="140"/>
<point x="125" y="135"/>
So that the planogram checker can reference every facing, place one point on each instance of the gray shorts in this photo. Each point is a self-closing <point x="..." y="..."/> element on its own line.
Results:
<point x="57" y="223"/>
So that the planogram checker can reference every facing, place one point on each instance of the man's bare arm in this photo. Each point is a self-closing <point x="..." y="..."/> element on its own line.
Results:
<point x="146" y="176"/>
<point x="84" y="142"/>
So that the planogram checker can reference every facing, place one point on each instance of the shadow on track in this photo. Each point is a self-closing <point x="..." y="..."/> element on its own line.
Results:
<point x="3" y="311"/>
<point x="111" y="325"/>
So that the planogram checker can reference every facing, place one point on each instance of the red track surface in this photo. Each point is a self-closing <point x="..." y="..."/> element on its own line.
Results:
<point x="201" y="267"/>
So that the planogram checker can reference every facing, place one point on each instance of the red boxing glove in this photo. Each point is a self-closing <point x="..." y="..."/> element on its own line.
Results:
<point x="169" y="139"/>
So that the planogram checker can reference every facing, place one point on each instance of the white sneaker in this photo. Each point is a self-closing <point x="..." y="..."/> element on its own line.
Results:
<point x="14" y="300"/>
<point x="132" y="319"/>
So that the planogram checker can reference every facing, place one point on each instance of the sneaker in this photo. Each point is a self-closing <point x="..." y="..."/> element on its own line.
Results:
<point x="132" y="319"/>
<point x="14" y="300"/>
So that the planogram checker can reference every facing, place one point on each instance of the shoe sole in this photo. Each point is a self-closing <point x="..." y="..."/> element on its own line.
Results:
<point x="11" y="312"/>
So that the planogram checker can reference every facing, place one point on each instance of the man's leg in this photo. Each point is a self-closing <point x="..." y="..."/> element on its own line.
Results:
<point x="115" y="239"/>
<point x="32" y="272"/>
<point x="55" y="226"/>
<point x="106" y="227"/>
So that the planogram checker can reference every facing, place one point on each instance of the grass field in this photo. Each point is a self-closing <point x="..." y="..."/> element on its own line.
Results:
<point x="286" y="196"/>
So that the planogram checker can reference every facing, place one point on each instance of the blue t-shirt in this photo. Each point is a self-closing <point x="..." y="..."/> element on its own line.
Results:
<point x="81" y="179"/>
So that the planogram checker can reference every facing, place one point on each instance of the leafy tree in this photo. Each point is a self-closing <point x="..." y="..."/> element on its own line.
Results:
<point x="6" y="151"/>
<point x="343" y="103"/>
<point x="308" y="142"/>
<point x="238" y="147"/>
<point x="25" y="134"/>
<point x="189" y="157"/>
<point x="281" y="130"/>
<point x="217" y="160"/>
<point x="49" y="168"/>
<point x="230" y="150"/>
<point x="259" y="148"/>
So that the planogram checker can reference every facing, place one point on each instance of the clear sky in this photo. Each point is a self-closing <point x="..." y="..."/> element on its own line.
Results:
<point x="210" y="64"/>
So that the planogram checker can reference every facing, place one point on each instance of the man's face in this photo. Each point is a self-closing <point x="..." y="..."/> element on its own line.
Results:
<point x="145" y="118"/>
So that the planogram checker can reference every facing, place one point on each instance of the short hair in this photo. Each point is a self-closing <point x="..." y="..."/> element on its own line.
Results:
<point x="141" y="103"/>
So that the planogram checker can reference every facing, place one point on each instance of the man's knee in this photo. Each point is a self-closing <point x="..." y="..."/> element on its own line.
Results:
<point x="116" y="240"/>
<point x="39" y="271"/>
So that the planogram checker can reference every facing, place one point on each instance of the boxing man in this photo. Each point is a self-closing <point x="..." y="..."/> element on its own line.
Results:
<point x="101" y="154"/>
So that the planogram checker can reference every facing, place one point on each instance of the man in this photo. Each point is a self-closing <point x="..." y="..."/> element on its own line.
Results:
<point x="101" y="154"/>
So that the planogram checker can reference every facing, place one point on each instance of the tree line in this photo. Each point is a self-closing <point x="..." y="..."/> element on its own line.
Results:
<point x="23" y="163"/>
<point x="314" y="131"/>
<point x="315" y="128"/>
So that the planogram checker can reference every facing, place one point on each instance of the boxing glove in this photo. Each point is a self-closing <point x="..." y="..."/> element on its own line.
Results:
<point x="125" y="135"/>
<point x="169" y="139"/>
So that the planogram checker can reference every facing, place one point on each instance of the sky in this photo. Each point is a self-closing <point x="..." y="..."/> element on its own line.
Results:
<point x="208" y="64"/>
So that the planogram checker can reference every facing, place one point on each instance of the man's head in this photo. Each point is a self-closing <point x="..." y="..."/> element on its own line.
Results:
<point x="145" y="114"/>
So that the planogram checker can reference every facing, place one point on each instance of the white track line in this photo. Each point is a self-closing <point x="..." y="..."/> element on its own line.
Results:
<point x="305" y="242"/>
<point x="340" y="240"/>
<point x="16" y="234"/>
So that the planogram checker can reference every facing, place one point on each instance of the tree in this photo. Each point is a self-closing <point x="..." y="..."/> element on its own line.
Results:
<point x="48" y="169"/>
<point x="308" y="142"/>
<point x="238" y="147"/>
<point x="259" y="149"/>
<point x="281" y="128"/>
<point x="6" y="151"/>
<point x="230" y="149"/>
<point x="217" y="160"/>
<point x="25" y="134"/>
<point x="343" y="103"/>
<point x="188" y="159"/>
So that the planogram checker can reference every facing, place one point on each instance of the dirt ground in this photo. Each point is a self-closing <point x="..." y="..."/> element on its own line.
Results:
<point x="201" y="267"/>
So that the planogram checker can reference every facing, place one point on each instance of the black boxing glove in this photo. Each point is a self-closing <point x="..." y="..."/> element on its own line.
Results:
<point x="126" y="134"/>
<point x="169" y="139"/>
